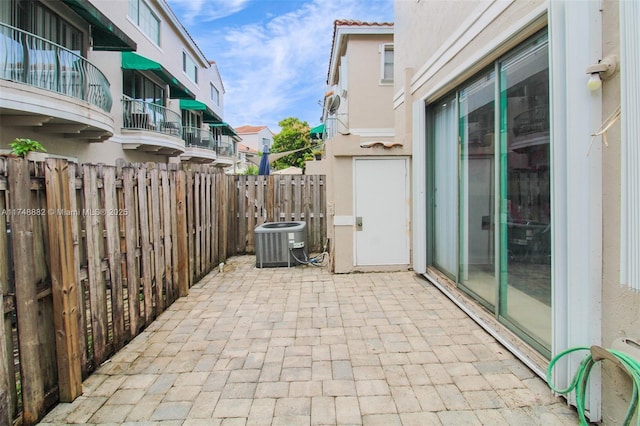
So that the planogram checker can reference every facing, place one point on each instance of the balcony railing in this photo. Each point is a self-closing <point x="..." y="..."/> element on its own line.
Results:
<point x="225" y="149"/>
<point x="141" y="115"/>
<point x="195" y="137"/>
<point x="29" y="59"/>
<point x="534" y="120"/>
<point x="330" y="128"/>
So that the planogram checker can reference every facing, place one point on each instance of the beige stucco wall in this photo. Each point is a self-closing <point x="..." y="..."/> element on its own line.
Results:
<point x="172" y="43"/>
<point x="433" y="23"/>
<point x="254" y="140"/>
<point x="106" y="152"/>
<point x="367" y="116"/>
<point x="369" y="104"/>
<point x="620" y="306"/>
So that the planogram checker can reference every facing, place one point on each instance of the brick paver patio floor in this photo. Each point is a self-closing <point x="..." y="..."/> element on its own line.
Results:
<point x="300" y="346"/>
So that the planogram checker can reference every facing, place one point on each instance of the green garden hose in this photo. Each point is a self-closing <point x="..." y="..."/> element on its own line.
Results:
<point x="580" y="379"/>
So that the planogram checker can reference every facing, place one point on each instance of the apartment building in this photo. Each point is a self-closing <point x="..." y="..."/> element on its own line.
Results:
<point x="98" y="83"/>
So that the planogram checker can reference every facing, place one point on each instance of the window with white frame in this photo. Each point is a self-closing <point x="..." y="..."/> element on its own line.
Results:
<point x="145" y="19"/>
<point x="387" y="63"/>
<point x="189" y="67"/>
<point x="215" y="94"/>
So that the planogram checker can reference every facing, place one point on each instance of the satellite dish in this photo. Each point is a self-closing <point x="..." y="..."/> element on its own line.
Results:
<point x="334" y="104"/>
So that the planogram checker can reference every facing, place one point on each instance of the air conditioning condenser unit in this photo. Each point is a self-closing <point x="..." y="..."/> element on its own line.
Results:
<point x="280" y="243"/>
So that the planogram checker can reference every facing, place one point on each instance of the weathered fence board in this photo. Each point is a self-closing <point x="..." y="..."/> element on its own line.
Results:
<point x="191" y="226"/>
<point x="158" y="258"/>
<point x="114" y="258"/>
<point x="166" y="229"/>
<point x="145" y="245"/>
<point x="104" y="250"/>
<point x="131" y="244"/>
<point x="181" y="234"/>
<point x="75" y="236"/>
<point x="63" y="281"/>
<point x="25" y="290"/>
<point x="8" y="397"/>
<point x="5" y="396"/>
<point x="97" y="285"/>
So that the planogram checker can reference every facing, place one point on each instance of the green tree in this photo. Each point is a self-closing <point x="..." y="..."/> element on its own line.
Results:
<point x="294" y="135"/>
<point x="251" y="169"/>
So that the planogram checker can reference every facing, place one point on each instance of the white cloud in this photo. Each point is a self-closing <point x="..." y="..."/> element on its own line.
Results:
<point x="207" y="10"/>
<point x="278" y="69"/>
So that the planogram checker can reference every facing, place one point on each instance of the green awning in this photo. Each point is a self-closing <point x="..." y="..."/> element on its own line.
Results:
<point x="226" y="129"/>
<point x="106" y="35"/>
<point x="192" y="104"/>
<point x="133" y="61"/>
<point x="208" y="115"/>
<point x="318" y="131"/>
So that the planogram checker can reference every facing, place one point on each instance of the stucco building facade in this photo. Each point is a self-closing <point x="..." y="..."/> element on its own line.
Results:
<point x="367" y="172"/>
<point x="520" y="212"/>
<point x="97" y="83"/>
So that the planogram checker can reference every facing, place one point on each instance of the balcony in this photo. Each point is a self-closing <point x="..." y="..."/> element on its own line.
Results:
<point x="150" y="127"/>
<point x="48" y="87"/>
<point x="225" y="149"/>
<point x="226" y="143"/>
<point x="225" y="152"/>
<point x="200" y="145"/>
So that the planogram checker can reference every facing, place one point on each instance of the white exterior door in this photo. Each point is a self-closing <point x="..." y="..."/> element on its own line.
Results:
<point x="381" y="205"/>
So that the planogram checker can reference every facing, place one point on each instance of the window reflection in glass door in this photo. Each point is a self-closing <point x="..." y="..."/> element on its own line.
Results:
<point x="525" y="292"/>
<point x="477" y="235"/>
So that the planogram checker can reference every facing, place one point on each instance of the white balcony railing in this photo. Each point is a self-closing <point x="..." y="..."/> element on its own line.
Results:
<point x="196" y="137"/>
<point x="225" y="149"/>
<point x="29" y="59"/>
<point x="142" y="115"/>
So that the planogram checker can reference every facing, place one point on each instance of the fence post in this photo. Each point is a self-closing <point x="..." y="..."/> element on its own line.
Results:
<point x="223" y="228"/>
<point x="7" y="372"/>
<point x="63" y="280"/>
<point x="5" y="395"/>
<point x="181" y="236"/>
<point x="26" y="292"/>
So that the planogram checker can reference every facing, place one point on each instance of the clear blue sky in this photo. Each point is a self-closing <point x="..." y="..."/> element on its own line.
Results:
<point x="273" y="55"/>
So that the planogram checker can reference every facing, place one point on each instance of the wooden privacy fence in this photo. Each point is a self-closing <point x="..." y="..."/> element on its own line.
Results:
<point x="91" y="254"/>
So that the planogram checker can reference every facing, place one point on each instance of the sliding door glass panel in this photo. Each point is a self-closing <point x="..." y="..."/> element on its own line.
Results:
<point x="445" y="165"/>
<point x="477" y="195"/>
<point x="525" y="204"/>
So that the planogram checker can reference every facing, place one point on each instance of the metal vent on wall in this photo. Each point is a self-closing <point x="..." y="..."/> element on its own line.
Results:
<point x="280" y="243"/>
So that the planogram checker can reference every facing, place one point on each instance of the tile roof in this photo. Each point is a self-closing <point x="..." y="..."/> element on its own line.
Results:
<point x="350" y="23"/>
<point x="249" y="129"/>
<point x="245" y="148"/>
<point x="353" y="22"/>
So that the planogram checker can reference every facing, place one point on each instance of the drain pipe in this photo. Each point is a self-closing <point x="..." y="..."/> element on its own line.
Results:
<point x="488" y="328"/>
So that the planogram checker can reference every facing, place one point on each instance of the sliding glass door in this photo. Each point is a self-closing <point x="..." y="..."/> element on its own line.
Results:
<point x="477" y="183"/>
<point x="445" y="151"/>
<point x="489" y="144"/>
<point x="525" y="197"/>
